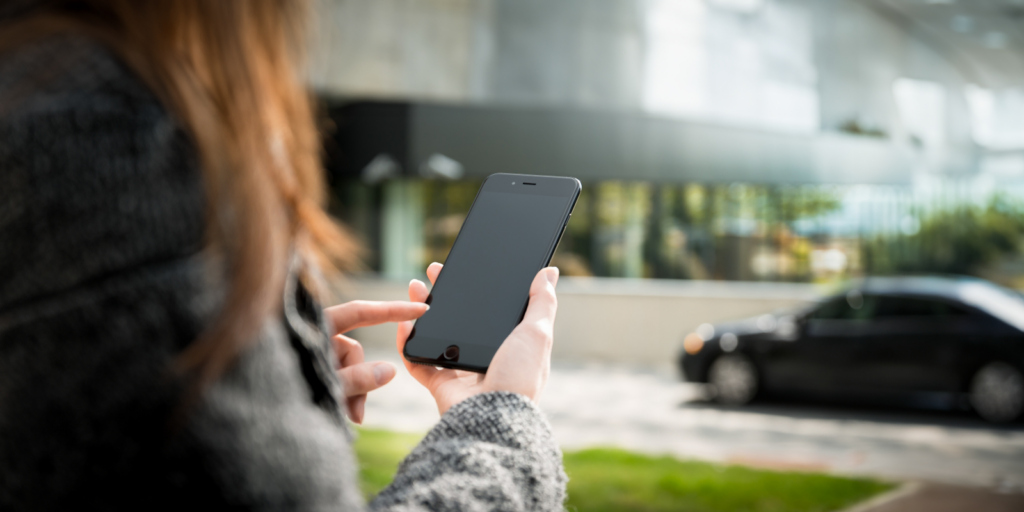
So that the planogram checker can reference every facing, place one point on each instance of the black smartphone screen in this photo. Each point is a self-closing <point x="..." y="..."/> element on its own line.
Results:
<point x="509" y="234"/>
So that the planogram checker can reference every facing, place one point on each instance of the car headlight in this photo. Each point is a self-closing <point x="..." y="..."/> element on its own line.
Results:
<point x="693" y="343"/>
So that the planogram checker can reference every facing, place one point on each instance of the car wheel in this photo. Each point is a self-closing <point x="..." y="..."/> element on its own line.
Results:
<point x="997" y="392"/>
<point x="734" y="379"/>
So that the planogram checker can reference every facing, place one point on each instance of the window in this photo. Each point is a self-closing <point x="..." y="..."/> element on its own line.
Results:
<point x="852" y="306"/>
<point x="922" y="108"/>
<point x="996" y="117"/>
<point x="834" y="309"/>
<point x="903" y="307"/>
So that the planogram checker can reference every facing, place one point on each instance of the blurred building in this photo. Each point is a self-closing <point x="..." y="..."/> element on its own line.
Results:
<point x="780" y="140"/>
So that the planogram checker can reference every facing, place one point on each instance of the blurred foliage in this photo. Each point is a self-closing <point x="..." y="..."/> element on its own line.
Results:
<point x="666" y="230"/>
<point x="740" y="231"/>
<point x="695" y="229"/>
<point x="613" y="480"/>
<point x="960" y="240"/>
<point x="783" y="204"/>
<point x="446" y="204"/>
<point x="857" y="127"/>
<point x="807" y="202"/>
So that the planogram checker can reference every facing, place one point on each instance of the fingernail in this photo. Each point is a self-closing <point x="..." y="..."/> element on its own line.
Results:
<point x="382" y="372"/>
<point x="552" y="275"/>
<point x="428" y="307"/>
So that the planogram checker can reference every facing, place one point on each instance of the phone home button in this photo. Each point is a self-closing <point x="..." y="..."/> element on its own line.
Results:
<point x="451" y="353"/>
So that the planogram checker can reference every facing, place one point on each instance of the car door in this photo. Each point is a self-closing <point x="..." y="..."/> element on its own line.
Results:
<point x="912" y="344"/>
<point x="823" y="359"/>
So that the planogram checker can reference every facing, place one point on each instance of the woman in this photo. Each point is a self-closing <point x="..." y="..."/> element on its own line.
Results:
<point x="161" y="240"/>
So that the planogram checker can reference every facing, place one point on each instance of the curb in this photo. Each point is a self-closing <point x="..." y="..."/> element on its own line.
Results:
<point x="904" y="490"/>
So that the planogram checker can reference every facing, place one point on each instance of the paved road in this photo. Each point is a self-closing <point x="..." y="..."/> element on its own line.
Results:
<point x="650" y="411"/>
<point x="931" y="497"/>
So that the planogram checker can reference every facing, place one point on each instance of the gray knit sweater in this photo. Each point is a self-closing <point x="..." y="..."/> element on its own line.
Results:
<point x="102" y="283"/>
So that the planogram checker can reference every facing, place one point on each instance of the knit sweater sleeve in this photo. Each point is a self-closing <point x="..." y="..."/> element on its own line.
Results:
<point x="493" y="451"/>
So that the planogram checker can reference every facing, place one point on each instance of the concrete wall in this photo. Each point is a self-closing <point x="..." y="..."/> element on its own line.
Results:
<point x="784" y="65"/>
<point x="637" y="322"/>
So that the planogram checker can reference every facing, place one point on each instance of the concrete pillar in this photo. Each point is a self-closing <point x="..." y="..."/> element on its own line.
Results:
<point x="402" y="229"/>
<point x="637" y="207"/>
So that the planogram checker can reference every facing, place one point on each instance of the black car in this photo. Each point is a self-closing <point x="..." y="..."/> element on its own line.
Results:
<point x="886" y="338"/>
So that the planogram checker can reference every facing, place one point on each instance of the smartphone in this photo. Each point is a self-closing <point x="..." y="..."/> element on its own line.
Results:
<point x="510" y="233"/>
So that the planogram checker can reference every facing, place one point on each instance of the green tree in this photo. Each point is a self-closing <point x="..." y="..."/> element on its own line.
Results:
<point x="961" y="240"/>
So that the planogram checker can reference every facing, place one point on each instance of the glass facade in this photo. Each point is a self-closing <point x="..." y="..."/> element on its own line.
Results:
<point x="738" y="231"/>
<point x="710" y="135"/>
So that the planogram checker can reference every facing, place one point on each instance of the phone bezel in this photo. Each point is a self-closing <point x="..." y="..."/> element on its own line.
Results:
<point x="500" y="182"/>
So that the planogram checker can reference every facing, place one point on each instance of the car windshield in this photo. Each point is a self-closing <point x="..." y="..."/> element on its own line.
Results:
<point x="1001" y="303"/>
<point x="798" y="310"/>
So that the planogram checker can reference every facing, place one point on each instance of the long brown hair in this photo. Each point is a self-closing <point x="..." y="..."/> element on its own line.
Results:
<point x="231" y="72"/>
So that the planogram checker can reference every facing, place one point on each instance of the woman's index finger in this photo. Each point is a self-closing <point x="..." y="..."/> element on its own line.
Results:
<point x="363" y="313"/>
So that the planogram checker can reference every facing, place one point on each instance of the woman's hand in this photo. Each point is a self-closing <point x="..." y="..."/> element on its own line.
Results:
<point x="358" y="377"/>
<point x="521" y="364"/>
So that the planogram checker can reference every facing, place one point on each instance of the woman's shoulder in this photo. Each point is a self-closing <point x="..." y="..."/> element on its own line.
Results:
<point x="98" y="178"/>
<point x="67" y="72"/>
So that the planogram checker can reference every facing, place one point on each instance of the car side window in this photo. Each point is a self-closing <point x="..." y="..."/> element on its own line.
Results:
<point x="852" y="306"/>
<point x="834" y="309"/>
<point x="904" y="307"/>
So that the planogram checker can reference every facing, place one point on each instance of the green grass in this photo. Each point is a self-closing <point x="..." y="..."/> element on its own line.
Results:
<point x="610" y="480"/>
<point x="379" y="453"/>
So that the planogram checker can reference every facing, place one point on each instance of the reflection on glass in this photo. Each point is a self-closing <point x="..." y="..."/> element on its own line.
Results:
<point x="806" y="233"/>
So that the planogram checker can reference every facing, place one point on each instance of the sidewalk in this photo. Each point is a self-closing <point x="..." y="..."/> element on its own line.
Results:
<point x="648" y="412"/>
<point x="931" y="497"/>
